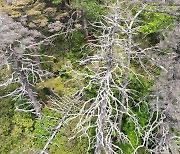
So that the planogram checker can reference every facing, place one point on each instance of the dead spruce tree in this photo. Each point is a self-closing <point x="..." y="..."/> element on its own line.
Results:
<point x="19" y="59"/>
<point x="167" y="86"/>
<point x="110" y="70"/>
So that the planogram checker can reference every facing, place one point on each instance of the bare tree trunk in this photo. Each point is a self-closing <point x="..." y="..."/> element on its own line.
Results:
<point x="29" y="89"/>
<point x="56" y="130"/>
<point x="100" y="142"/>
<point x="125" y="82"/>
<point x="85" y="26"/>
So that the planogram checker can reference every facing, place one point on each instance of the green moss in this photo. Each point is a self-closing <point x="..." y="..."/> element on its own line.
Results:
<point x="154" y="22"/>
<point x="66" y="146"/>
<point x="33" y="12"/>
<point x="57" y="1"/>
<point x="50" y="11"/>
<point x="54" y="83"/>
<point x="16" y="133"/>
<point x="23" y="2"/>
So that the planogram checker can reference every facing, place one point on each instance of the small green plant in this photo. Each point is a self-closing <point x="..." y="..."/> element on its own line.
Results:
<point x="56" y="1"/>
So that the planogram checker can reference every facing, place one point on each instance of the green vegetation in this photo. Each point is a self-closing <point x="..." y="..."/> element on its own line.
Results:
<point x="22" y="132"/>
<point x="155" y="22"/>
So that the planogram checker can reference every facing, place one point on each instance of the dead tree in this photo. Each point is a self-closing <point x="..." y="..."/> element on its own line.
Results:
<point x="110" y="68"/>
<point x="19" y="57"/>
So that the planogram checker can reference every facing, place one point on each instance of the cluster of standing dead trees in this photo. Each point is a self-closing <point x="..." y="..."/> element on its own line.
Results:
<point x="110" y="68"/>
